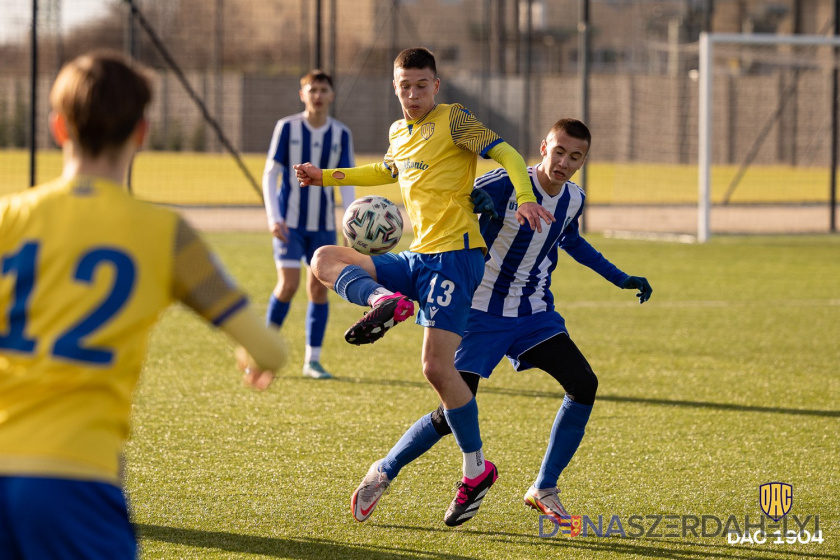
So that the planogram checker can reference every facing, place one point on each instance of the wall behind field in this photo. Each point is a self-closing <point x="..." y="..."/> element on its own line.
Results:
<point x="634" y="118"/>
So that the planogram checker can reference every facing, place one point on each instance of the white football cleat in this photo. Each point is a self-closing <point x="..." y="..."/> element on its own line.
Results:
<point x="547" y="501"/>
<point x="366" y="496"/>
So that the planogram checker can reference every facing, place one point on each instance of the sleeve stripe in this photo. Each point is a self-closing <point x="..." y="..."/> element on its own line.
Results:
<point x="490" y="147"/>
<point x="490" y="176"/>
<point x="225" y="315"/>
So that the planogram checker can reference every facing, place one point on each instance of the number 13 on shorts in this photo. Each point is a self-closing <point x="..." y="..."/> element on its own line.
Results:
<point x="442" y="296"/>
<point x="441" y="308"/>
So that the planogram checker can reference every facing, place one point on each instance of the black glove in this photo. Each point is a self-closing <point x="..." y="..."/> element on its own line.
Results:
<point x="483" y="203"/>
<point x="639" y="283"/>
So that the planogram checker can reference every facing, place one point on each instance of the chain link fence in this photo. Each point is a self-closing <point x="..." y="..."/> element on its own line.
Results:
<point x="226" y="70"/>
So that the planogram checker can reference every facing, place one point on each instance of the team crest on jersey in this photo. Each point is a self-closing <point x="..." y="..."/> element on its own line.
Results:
<point x="427" y="130"/>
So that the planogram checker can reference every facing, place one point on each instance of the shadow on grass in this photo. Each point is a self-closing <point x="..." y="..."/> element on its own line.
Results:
<point x="297" y="548"/>
<point x="484" y="388"/>
<point x="635" y="548"/>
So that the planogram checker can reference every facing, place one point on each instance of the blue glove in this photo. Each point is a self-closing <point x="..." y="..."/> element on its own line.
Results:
<point x="483" y="203"/>
<point x="639" y="283"/>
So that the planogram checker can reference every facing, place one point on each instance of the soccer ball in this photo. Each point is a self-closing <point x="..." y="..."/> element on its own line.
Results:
<point x="372" y="225"/>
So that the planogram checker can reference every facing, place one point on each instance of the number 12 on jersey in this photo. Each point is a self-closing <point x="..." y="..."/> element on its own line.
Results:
<point x="69" y="344"/>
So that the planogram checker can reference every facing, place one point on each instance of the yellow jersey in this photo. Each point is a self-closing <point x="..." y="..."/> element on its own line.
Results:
<point x="85" y="271"/>
<point x="435" y="160"/>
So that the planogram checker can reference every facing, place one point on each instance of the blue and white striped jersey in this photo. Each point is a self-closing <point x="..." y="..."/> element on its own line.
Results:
<point x="294" y="141"/>
<point x="519" y="262"/>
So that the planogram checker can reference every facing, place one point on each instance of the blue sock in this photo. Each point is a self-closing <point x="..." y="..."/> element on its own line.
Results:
<point x="316" y="323"/>
<point x="355" y="285"/>
<point x="566" y="433"/>
<point x="464" y="423"/>
<point x="276" y="312"/>
<point x="417" y="440"/>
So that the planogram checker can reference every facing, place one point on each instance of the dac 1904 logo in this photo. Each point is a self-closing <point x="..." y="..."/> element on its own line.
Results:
<point x="776" y="501"/>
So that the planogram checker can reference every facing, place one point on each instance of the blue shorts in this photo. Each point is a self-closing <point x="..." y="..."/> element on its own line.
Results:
<point x="64" y="519"/>
<point x="489" y="338"/>
<point x="442" y="284"/>
<point x="302" y="244"/>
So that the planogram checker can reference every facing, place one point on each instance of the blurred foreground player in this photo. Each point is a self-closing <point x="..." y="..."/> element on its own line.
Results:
<point x="85" y="271"/>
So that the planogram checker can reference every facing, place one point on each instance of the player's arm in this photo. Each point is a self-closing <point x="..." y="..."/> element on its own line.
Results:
<point x="261" y="352"/>
<point x="273" y="170"/>
<point x="347" y="159"/>
<point x="529" y="211"/>
<point x="579" y="249"/>
<point x="276" y="224"/>
<point x="369" y="175"/>
<point x="202" y="285"/>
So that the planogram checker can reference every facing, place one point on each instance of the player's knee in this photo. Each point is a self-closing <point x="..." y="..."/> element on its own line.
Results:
<point x="285" y="291"/>
<point x="586" y="385"/>
<point x="321" y="261"/>
<point x="439" y="422"/>
<point x="437" y="375"/>
<point x="317" y="261"/>
<point x="328" y="262"/>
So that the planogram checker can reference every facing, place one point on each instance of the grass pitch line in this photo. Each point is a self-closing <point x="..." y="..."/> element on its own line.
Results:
<point x="700" y="304"/>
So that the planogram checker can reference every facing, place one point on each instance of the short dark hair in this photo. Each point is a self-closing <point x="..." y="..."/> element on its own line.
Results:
<point x="316" y="75"/>
<point x="574" y="128"/>
<point x="417" y="58"/>
<point x="103" y="95"/>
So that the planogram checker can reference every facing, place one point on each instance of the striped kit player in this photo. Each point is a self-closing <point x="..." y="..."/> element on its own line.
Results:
<point x="302" y="220"/>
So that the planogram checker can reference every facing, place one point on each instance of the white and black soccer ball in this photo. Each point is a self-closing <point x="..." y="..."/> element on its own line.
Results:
<point x="372" y="225"/>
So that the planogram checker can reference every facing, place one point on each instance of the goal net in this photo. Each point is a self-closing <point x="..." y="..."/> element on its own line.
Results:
<point x="730" y="136"/>
<point x="764" y="133"/>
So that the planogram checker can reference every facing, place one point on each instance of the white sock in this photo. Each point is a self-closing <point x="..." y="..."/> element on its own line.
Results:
<point x="474" y="464"/>
<point x="312" y="354"/>
<point x="378" y="294"/>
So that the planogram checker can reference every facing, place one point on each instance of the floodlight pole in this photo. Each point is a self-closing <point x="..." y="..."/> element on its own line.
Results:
<point x="33" y="93"/>
<point x="319" y="15"/>
<point x="525" y="125"/>
<point x="832" y="195"/>
<point x="332" y="32"/>
<point x="705" y="138"/>
<point x="583" y="71"/>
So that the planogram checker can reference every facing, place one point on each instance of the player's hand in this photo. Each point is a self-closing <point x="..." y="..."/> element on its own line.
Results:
<point x="639" y="283"/>
<point x="258" y="379"/>
<point x="531" y="213"/>
<point x="255" y="377"/>
<point x="483" y="203"/>
<point x="308" y="174"/>
<point x="280" y="230"/>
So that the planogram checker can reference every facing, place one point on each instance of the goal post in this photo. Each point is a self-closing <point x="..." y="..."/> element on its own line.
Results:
<point x="800" y="69"/>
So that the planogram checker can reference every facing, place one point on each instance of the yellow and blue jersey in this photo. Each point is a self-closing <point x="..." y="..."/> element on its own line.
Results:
<point x="435" y="160"/>
<point x="85" y="271"/>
